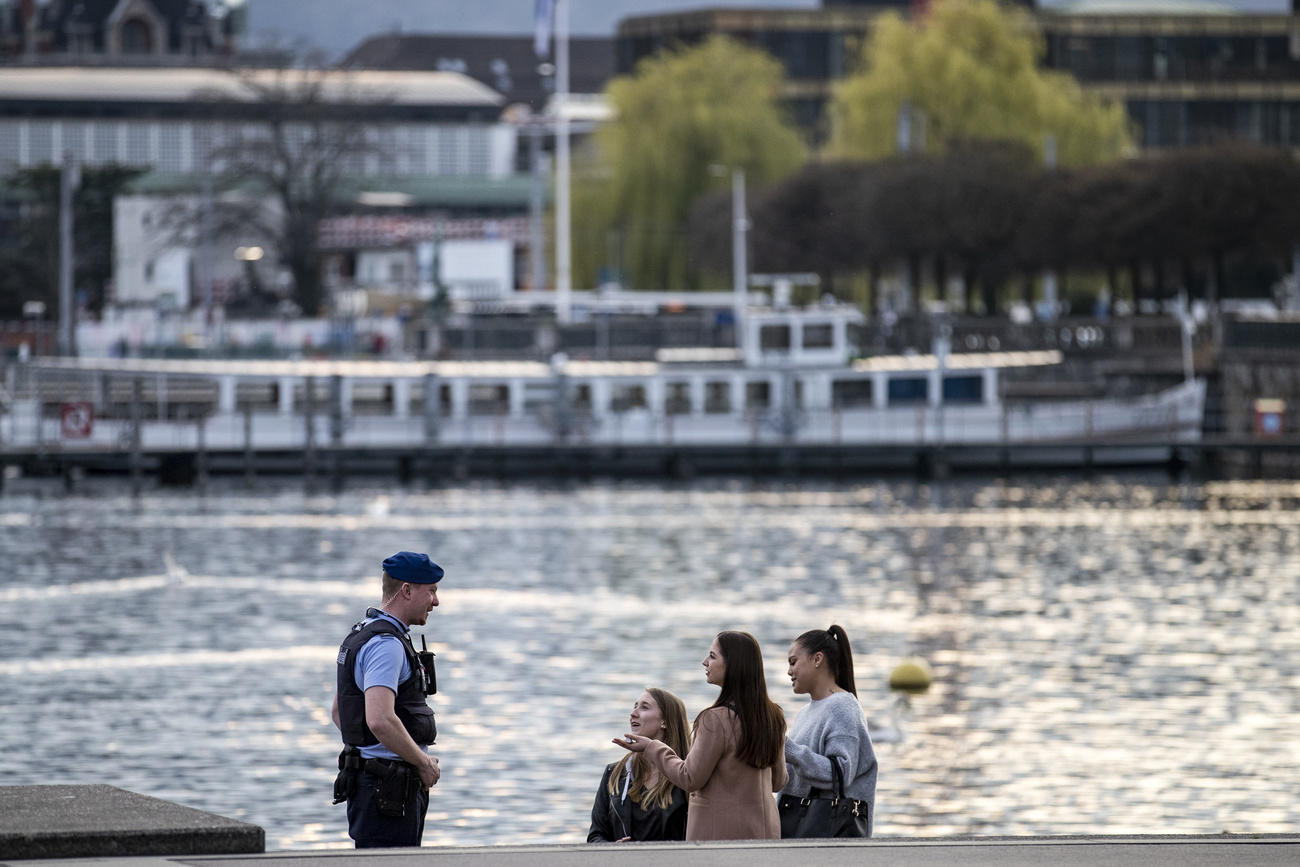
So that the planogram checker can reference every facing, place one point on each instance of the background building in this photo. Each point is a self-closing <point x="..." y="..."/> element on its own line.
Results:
<point x="115" y="31"/>
<point x="1189" y="72"/>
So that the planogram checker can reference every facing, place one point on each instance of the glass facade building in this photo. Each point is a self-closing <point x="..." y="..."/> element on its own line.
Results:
<point x="1189" y="74"/>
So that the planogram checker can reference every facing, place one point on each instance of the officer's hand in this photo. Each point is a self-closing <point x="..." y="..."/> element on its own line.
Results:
<point x="430" y="772"/>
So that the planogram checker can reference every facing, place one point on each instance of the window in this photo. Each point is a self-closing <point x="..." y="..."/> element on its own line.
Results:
<point x="488" y="399"/>
<point x="717" y="397"/>
<point x="908" y="390"/>
<point x="821" y="336"/>
<point x="171" y="148"/>
<point x="137" y="37"/>
<point x="625" y="397"/>
<point x="774" y="337"/>
<point x="758" y="395"/>
<point x="851" y="393"/>
<point x="963" y="389"/>
<point x="678" y="399"/>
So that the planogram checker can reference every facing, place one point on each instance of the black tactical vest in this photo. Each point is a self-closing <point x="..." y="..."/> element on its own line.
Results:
<point x="412" y="710"/>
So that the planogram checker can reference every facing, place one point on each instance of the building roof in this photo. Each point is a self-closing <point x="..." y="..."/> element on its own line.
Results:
<point x="172" y="85"/>
<point x="507" y="64"/>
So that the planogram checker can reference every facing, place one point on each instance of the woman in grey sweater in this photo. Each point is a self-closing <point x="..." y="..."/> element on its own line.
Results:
<point x="831" y="729"/>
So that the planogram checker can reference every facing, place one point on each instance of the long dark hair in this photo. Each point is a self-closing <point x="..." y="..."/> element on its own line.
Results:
<point x="744" y="690"/>
<point x="832" y="643"/>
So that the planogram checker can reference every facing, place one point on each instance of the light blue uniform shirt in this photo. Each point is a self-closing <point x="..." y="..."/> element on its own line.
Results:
<point x="381" y="661"/>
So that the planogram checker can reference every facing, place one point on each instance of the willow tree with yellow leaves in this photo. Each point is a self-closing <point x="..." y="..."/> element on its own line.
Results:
<point x="970" y="69"/>
<point x="682" y="122"/>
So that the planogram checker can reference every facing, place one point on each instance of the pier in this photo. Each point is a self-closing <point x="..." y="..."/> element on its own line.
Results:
<point x="185" y="467"/>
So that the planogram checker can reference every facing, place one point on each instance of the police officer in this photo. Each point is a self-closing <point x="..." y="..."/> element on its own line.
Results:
<point x="380" y="708"/>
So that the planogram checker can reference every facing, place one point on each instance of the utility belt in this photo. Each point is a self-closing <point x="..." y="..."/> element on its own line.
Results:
<point x="396" y="781"/>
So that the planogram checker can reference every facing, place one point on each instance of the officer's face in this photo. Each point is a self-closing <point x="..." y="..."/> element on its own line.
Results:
<point x="424" y="598"/>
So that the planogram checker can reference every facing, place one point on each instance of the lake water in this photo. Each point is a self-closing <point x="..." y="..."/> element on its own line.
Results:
<point x="1115" y="655"/>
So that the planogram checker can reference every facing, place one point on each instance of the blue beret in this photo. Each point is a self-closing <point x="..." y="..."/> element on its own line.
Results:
<point x="413" y="568"/>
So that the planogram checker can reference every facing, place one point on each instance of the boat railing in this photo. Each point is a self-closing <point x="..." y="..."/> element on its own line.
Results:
<point x="1169" y="417"/>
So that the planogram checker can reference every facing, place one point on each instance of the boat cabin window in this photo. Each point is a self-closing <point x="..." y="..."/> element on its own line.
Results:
<point x="963" y="389"/>
<point x="488" y="399"/>
<point x="758" y="395"/>
<point x="626" y="397"/>
<point x="774" y="337"/>
<point x="582" y="396"/>
<point x="851" y="393"/>
<point x="677" y="400"/>
<point x="910" y="389"/>
<point x="717" y="397"/>
<point x="818" y="336"/>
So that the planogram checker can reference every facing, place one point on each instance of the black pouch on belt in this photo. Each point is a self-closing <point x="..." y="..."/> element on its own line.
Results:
<point x="394" y="786"/>
<point x="345" y="784"/>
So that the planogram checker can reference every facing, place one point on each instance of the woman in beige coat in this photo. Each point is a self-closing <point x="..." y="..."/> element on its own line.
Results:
<point x="737" y="757"/>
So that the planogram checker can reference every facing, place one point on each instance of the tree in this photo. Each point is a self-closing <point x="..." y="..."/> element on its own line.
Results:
<point x="297" y="141"/>
<point x="682" y="122"/>
<point x="970" y="70"/>
<point x="29" y="257"/>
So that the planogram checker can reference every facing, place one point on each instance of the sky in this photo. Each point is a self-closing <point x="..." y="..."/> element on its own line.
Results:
<point x="337" y="26"/>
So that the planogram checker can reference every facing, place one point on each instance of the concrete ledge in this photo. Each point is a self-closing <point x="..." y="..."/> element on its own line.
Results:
<point x="105" y="821"/>
<point x="1141" y="851"/>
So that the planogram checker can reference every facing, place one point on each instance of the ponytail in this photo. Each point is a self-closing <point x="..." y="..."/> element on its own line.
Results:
<point x="833" y="644"/>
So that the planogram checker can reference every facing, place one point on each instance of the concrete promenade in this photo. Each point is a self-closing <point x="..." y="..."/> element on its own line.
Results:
<point x="1149" y="851"/>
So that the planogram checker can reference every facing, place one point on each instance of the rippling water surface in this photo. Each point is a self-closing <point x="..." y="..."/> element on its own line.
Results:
<point x="1117" y="656"/>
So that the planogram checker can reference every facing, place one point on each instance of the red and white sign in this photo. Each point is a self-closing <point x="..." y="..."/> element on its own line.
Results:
<point x="77" y="420"/>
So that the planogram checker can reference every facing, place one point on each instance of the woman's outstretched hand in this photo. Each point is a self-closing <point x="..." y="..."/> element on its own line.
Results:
<point x="633" y="743"/>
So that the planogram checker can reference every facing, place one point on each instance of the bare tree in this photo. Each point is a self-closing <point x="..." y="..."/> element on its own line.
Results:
<point x="294" y="139"/>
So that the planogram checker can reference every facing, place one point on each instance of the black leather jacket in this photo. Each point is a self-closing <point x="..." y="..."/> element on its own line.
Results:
<point x="613" y="818"/>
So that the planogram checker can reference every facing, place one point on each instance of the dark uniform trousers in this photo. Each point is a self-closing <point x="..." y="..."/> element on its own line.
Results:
<point x="371" y="830"/>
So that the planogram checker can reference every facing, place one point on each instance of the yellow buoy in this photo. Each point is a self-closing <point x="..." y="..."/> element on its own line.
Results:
<point x="912" y="675"/>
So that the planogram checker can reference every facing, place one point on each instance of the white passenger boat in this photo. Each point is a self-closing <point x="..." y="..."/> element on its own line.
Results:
<point x="791" y="382"/>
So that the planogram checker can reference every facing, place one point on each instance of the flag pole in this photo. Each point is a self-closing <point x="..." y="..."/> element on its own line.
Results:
<point x="563" y="262"/>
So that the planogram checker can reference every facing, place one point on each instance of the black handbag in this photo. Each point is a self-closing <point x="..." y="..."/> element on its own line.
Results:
<point x="823" y="814"/>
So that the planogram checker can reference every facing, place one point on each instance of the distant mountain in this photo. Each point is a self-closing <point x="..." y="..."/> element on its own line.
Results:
<point x="337" y="26"/>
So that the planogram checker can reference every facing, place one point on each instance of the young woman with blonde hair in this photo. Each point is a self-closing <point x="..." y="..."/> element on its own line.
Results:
<point x="635" y="801"/>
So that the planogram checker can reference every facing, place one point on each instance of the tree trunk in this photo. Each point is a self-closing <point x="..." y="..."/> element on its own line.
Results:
<point x="941" y="277"/>
<point x="914" y="278"/>
<point x="306" y="285"/>
<point x="968" y="289"/>
<point x="873" y="288"/>
<point x="1135" y="280"/>
<point x="989" y="290"/>
<point x="1218" y="281"/>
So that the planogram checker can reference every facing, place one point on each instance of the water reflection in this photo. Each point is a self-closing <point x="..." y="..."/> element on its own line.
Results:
<point x="1116" y="655"/>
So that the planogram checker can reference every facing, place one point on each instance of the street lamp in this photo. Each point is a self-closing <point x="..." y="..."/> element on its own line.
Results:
<point x="250" y="256"/>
